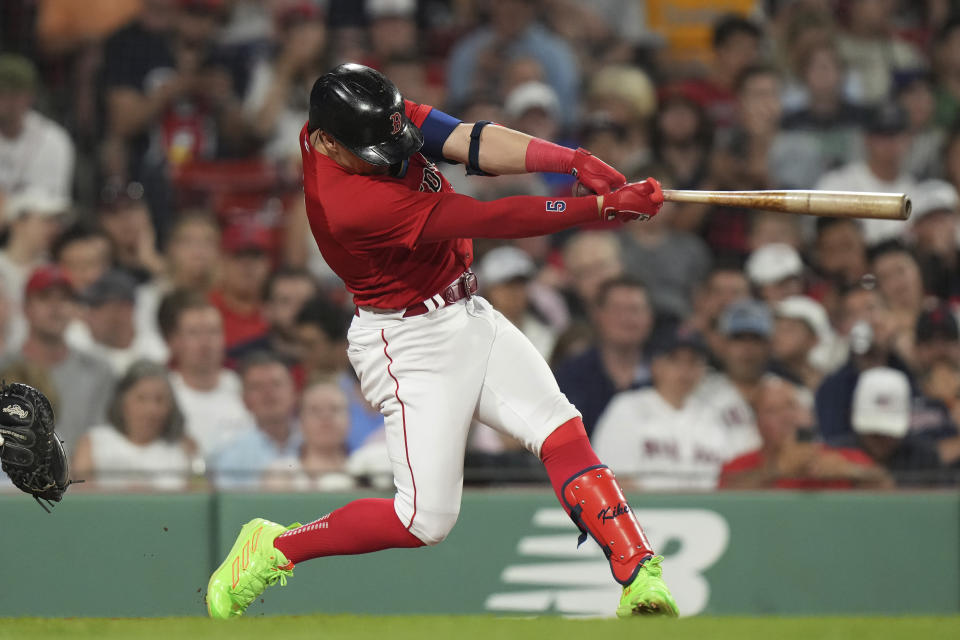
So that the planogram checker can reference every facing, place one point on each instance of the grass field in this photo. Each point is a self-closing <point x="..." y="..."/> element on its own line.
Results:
<point x="481" y="628"/>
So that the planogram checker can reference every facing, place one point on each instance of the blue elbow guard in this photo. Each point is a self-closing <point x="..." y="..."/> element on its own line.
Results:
<point x="436" y="128"/>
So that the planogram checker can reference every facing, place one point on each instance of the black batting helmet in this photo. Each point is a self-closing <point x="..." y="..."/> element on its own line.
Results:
<point x="362" y="110"/>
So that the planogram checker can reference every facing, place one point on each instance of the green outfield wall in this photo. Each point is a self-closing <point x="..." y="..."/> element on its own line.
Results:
<point x="512" y="553"/>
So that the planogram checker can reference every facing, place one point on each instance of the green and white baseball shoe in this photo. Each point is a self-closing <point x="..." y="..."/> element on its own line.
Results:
<point x="647" y="595"/>
<point x="252" y="565"/>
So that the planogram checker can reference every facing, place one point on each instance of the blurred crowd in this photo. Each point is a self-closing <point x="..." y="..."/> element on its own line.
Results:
<point x="158" y="280"/>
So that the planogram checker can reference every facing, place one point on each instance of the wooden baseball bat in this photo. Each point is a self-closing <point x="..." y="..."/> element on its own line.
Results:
<point x="844" y="204"/>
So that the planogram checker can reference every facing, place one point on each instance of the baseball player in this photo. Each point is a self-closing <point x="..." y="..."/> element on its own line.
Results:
<point x="429" y="352"/>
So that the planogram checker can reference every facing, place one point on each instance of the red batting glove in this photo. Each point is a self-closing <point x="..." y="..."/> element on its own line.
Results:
<point x="595" y="174"/>
<point x="635" y="201"/>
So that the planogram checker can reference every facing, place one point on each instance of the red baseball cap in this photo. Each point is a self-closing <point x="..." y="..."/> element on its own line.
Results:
<point x="252" y="238"/>
<point x="47" y="277"/>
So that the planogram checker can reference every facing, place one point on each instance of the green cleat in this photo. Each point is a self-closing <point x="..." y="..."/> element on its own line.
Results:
<point x="647" y="595"/>
<point x="252" y="565"/>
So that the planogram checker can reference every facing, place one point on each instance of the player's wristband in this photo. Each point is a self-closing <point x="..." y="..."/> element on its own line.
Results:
<point x="547" y="157"/>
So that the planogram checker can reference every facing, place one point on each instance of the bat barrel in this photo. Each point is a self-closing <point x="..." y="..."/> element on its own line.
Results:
<point x="847" y="204"/>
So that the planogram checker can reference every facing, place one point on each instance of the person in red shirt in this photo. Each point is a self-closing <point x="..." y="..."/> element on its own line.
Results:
<point x="239" y="295"/>
<point x="428" y="352"/>
<point x="789" y="458"/>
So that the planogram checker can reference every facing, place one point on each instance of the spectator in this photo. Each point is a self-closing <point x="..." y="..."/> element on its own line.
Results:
<point x="286" y="291"/>
<point x="682" y="139"/>
<point x="941" y="383"/>
<point x="841" y="251"/>
<point x="271" y="398"/>
<point x="866" y="322"/>
<point x="393" y="29"/>
<point x="668" y="436"/>
<point x="755" y="151"/>
<point x="36" y="153"/>
<point x="239" y="294"/>
<point x="208" y="394"/>
<point x="882" y="170"/>
<point x="34" y="219"/>
<point x="776" y="272"/>
<point x="7" y="345"/>
<point x="191" y="261"/>
<point x="789" y="458"/>
<point x="623" y="321"/>
<point x="745" y="329"/>
<point x="881" y="417"/>
<point x="946" y="66"/>
<point x="169" y="98"/>
<point x="82" y="382"/>
<point x="322" y="462"/>
<point x="801" y="326"/>
<point x="124" y="216"/>
<point x="321" y="330"/>
<point x="647" y="247"/>
<point x="108" y="330"/>
<point x="590" y="258"/>
<point x="872" y="50"/>
<point x="827" y="117"/>
<point x="934" y="230"/>
<point x="142" y="446"/>
<point x="736" y="46"/>
<point x="477" y="60"/>
<point x="627" y="96"/>
<point x="937" y="337"/>
<point x="768" y="227"/>
<point x="900" y="283"/>
<point x="724" y="285"/>
<point x="277" y="97"/>
<point x="504" y="274"/>
<point x="914" y="92"/>
<point x="83" y="253"/>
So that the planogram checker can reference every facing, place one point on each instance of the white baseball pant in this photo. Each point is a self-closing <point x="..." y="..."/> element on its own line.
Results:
<point x="431" y="376"/>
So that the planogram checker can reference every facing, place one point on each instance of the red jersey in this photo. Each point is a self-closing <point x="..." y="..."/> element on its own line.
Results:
<point x="238" y="327"/>
<point x="756" y="460"/>
<point x="367" y="227"/>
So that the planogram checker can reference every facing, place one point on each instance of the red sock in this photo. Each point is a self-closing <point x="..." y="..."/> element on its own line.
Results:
<point x="566" y="452"/>
<point x="361" y="526"/>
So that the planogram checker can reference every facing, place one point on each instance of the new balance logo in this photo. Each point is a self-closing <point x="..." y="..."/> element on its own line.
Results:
<point x="557" y="206"/>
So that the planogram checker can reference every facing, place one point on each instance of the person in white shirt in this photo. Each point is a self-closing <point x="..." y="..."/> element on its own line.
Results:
<point x="208" y="394"/>
<point x="143" y="445"/>
<point x="883" y="169"/>
<point x="35" y="152"/>
<point x="672" y="436"/>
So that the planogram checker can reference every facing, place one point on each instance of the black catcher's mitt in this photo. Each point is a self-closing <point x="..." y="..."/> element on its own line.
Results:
<point x="30" y="451"/>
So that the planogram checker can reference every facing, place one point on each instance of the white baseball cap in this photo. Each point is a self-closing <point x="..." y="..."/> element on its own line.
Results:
<point x="933" y="195"/>
<point x="36" y="202"/>
<point x="504" y="264"/>
<point x="807" y="310"/>
<point x="531" y="95"/>
<point x="772" y="263"/>
<point x="390" y="8"/>
<point x="881" y="403"/>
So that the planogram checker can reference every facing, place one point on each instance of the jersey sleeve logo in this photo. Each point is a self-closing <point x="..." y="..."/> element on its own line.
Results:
<point x="556" y="206"/>
<point x="397" y="122"/>
<point x="431" y="179"/>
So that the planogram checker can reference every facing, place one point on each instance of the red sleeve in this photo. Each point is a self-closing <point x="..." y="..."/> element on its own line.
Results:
<point x="382" y="213"/>
<point x="856" y="456"/>
<point x="417" y="112"/>
<point x="746" y="462"/>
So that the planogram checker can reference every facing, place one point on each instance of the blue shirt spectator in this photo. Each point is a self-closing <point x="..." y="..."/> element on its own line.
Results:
<point x="479" y="59"/>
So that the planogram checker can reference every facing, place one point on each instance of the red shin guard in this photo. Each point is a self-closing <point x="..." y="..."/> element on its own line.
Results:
<point x="593" y="499"/>
<point x="597" y="505"/>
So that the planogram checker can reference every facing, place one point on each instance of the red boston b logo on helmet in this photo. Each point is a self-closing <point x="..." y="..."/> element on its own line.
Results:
<point x="397" y="122"/>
